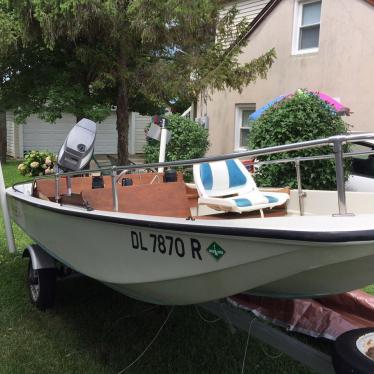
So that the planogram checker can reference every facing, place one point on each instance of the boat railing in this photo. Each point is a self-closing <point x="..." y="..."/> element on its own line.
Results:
<point x="336" y="142"/>
<point x="297" y="161"/>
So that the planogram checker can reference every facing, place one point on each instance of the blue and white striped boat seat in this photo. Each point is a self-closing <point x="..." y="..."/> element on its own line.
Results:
<point x="223" y="178"/>
<point x="228" y="186"/>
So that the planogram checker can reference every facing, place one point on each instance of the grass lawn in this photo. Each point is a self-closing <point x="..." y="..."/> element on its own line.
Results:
<point x="93" y="329"/>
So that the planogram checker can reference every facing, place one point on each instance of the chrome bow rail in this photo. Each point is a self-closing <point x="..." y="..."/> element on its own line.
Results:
<point x="335" y="141"/>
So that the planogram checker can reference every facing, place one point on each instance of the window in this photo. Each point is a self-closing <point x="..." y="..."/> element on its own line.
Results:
<point x="242" y="125"/>
<point x="307" y="26"/>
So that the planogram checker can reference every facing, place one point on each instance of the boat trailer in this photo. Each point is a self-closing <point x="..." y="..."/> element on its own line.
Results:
<point x="239" y="319"/>
<point x="42" y="278"/>
<point x="349" y="353"/>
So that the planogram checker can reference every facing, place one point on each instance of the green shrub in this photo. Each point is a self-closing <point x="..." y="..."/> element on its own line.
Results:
<point x="37" y="163"/>
<point x="301" y="117"/>
<point x="188" y="140"/>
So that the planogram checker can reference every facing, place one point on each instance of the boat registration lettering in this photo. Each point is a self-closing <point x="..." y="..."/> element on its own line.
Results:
<point x="166" y="245"/>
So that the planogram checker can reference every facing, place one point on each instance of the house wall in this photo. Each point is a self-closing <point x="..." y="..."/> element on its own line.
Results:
<point x="10" y="134"/>
<point x="140" y="140"/>
<point x="40" y="135"/>
<point x="246" y="8"/>
<point x="14" y="137"/>
<point x="342" y="68"/>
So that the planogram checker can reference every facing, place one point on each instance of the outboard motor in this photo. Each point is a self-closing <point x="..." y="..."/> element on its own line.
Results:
<point x="77" y="150"/>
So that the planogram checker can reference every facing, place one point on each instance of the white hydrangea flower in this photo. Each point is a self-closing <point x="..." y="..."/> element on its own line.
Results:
<point x="34" y="164"/>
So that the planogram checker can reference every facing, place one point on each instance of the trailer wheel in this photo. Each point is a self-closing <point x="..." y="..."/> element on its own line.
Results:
<point x="42" y="286"/>
<point x="347" y="358"/>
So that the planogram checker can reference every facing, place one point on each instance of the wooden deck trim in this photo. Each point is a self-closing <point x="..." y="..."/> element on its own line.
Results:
<point x="148" y="195"/>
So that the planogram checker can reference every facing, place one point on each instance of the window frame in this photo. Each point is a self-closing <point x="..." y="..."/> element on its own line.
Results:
<point x="239" y="108"/>
<point x="298" y="15"/>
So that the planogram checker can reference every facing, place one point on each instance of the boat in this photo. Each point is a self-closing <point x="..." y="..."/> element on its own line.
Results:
<point x="155" y="238"/>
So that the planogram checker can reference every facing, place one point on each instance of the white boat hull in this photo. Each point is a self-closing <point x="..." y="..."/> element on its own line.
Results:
<point x="166" y="261"/>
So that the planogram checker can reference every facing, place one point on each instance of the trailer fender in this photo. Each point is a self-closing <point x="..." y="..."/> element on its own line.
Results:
<point x="40" y="259"/>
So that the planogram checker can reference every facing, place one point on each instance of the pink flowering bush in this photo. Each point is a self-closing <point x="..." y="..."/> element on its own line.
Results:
<point x="37" y="163"/>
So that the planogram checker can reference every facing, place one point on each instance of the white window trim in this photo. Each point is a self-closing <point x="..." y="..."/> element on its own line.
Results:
<point x="238" y="120"/>
<point x="298" y="13"/>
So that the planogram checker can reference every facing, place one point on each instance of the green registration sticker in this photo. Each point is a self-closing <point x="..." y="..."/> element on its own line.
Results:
<point x="216" y="251"/>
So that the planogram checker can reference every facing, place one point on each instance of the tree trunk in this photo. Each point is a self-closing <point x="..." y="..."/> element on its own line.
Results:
<point x="3" y="138"/>
<point x="122" y="112"/>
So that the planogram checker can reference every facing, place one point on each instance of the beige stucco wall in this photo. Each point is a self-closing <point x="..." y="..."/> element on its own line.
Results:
<point x="343" y="67"/>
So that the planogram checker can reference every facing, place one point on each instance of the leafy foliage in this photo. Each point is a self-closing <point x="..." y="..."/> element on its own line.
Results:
<point x="82" y="56"/>
<point x="191" y="50"/>
<point x="300" y="117"/>
<point x="188" y="140"/>
<point x="37" y="163"/>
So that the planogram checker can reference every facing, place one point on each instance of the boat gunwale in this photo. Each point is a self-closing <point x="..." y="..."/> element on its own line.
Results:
<point x="335" y="141"/>
<point x="261" y="233"/>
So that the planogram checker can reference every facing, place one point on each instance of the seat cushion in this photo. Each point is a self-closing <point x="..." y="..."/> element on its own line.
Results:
<point x="250" y="199"/>
<point x="272" y="199"/>
<point x="246" y="201"/>
<point x="243" y="202"/>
